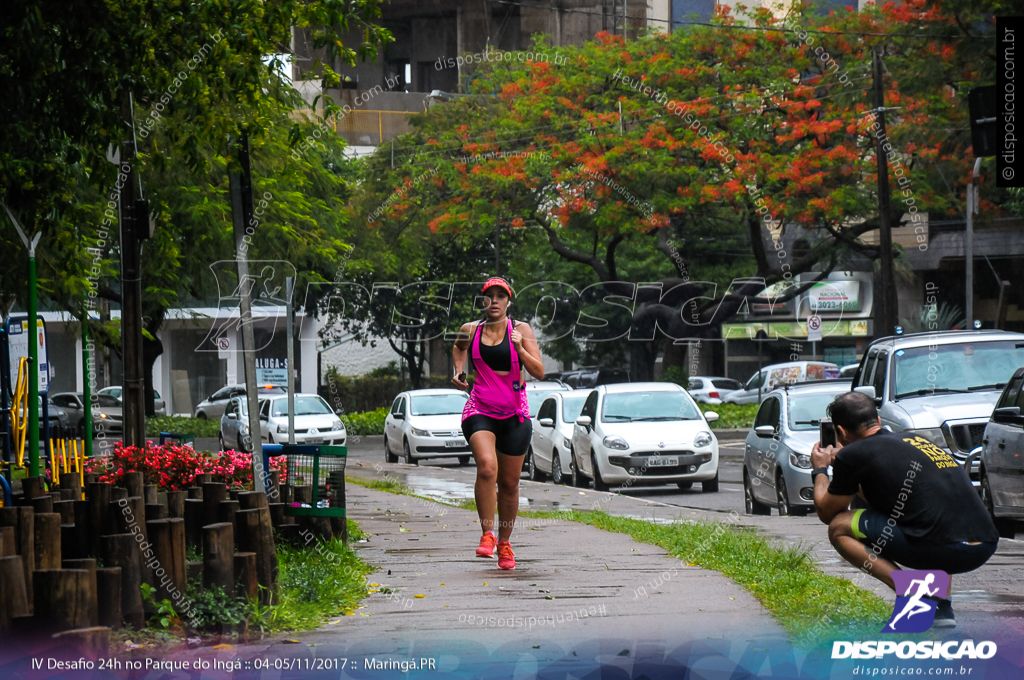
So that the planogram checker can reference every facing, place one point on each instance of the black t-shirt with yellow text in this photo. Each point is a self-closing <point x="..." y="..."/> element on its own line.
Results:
<point x="916" y="483"/>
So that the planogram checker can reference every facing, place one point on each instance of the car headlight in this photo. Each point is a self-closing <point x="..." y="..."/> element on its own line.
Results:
<point x="103" y="415"/>
<point x="338" y="426"/>
<point x="616" y="442"/>
<point x="702" y="439"/>
<point x="932" y="434"/>
<point x="800" y="460"/>
<point x="566" y="442"/>
<point x="420" y="433"/>
<point x="282" y="428"/>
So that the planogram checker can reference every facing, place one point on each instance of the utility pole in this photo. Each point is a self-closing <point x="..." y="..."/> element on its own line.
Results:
<point x="86" y="385"/>
<point x="290" y="286"/>
<point x="134" y="226"/>
<point x="972" y="210"/>
<point x="241" y="212"/>
<point x="888" y="314"/>
<point x="33" y="349"/>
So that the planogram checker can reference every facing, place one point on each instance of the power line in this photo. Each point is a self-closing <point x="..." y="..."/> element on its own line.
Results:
<point x="735" y="27"/>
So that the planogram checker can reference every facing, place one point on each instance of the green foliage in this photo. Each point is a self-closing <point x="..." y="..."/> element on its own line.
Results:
<point x="386" y="483"/>
<point x="731" y="415"/>
<point x="197" y="427"/>
<point x="163" y="616"/>
<point x="347" y="394"/>
<point x="316" y="582"/>
<point x="391" y="370"/>
<point x="783" y="579"/>
<point x="364" y="424"/>
<point x="215" y="609"/>
<point x="677" y="375"/>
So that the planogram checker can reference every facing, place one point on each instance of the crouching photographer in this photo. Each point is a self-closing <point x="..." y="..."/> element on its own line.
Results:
<point x="924" y="513"/>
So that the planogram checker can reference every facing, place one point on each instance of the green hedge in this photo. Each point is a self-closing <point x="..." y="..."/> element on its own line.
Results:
<point x="348" y="394"/>
<point x="197" y="427"/>
<point x="365" y="424"/>
<point x="731" y="415"/>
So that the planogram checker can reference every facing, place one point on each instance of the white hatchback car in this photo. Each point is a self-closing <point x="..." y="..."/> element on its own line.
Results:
<point x="315" y="422"/>
<point x="426" y="424"/>
<point x="645" y="433"/>
<point x="711" y="389"/>
<point x="550" y="442"/>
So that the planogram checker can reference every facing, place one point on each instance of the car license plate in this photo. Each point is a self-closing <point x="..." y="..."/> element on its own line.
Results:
<point x="662" y="462"/>
<point x="315" y="440"/>
<point x="455" y="443"/>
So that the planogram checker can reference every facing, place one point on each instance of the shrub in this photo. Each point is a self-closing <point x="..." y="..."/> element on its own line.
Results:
<point x="731" y="415"/>
<point x="197" y="427"/>
<point x="364" y="424"/>
<point x="174" y="467"/>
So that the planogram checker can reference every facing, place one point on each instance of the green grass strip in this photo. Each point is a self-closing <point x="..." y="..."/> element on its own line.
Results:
<point x="810" y="605"/>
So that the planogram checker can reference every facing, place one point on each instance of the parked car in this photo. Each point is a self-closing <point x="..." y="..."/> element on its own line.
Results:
<point x="645" y="433"/>
<point x="315" y="421"/>
<point x="58" y="419"/>
<point x="550" y="443"/>
<point x="941" y="386"/>
<point x="711" y="389"/>
<point x="770" y="377"/>
<point x="234" y="426"/>
<point x="1002" y="458"/>
<point x="777" y="452"/>
<point x="593" y="376"/>
<point x="159" y="405"/>
<point x="106" y="412"/>
<point x="426" y="424"/>
<point x="538" y="390"/>
<point x="213" y="406"/>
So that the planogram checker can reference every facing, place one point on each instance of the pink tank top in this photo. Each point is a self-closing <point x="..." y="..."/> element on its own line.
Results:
<point x="497" y="396"/>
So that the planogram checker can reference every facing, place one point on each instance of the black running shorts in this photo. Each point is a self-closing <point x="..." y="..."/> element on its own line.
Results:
<point x="512" y="437"/>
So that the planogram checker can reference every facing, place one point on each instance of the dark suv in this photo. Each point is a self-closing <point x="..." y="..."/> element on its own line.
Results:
<point x="592" y="376"/>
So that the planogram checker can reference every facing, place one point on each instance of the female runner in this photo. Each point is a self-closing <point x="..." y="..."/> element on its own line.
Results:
<point x="496" y="418"/>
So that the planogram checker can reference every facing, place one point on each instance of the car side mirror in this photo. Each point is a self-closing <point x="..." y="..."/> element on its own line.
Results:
<point x="547" y="422"/>
<point x="584" y="421"/>
<point x="232" y="416"/>
<point x="263" y="417"/>
<point x="399" y="416"/>
<point x="866" y="389"/>
<point x="764" y="431"/>
<point x="710" y="416"/>
<point x="1007" y="414"/>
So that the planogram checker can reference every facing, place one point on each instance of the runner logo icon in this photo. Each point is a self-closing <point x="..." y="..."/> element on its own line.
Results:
<point x="914" y="611"/>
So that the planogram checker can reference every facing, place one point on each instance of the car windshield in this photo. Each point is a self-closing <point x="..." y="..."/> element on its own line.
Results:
<point x="437" y="404"/>
<point x="807" y="410"/>
<point x="638" y="406"/>
<point x="536" y="398"/>
<point x="304" y="406"/>
<point x="960" y="367"/>
<point x="571" y="407"/>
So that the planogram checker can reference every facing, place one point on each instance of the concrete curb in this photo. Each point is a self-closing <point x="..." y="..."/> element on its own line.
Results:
<point x="731" y="434"/>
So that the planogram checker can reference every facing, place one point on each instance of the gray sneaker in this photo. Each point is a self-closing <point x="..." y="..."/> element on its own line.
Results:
<point x="944" y="617"/>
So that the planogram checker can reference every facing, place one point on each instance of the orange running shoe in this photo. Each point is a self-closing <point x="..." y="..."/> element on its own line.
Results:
<point x="506" y="558"/>
<point x="486" y="548"/>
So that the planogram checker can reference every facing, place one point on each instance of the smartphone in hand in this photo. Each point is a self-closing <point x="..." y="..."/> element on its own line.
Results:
<point x="461" y="377"/>
<point x="826" y="433"/>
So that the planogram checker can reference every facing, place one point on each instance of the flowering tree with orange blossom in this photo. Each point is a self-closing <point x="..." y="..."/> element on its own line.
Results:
<point x="758" y="138"/>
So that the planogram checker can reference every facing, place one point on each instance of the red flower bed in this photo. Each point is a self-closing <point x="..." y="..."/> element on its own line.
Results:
<point x="174" y="467"/>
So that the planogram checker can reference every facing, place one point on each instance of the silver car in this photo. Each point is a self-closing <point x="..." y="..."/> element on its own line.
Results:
<point x="1002" y="459"/>
<point x="777" y="452"/>
<point x="234" y="426"/>
<point x="941" y="386"/>
<point x="551" y="442"/>
<point x="159" y="405"/>
<point x="213" y="406"/>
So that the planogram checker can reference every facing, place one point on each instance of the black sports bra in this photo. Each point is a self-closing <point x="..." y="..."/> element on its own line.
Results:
<point x="498" y="357"/>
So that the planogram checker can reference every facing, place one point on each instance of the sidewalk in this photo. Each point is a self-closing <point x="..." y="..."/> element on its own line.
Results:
<point x="574" y="588"/>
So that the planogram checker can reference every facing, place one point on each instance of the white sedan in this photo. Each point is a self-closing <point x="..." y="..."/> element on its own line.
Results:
<point x="550" y="443"/>
<point x="315" y="422"/>
<point x="426" y="424"/>
<point x="645" y="433"/>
